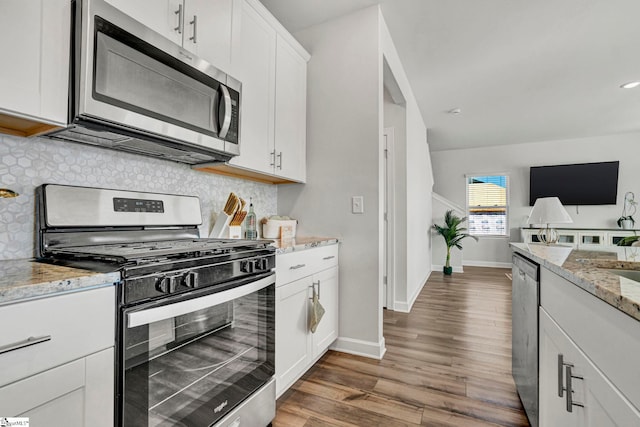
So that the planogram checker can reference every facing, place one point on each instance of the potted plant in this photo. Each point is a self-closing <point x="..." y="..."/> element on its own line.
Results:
<point x="626" y="220"/>
<point x="453" y="235"/>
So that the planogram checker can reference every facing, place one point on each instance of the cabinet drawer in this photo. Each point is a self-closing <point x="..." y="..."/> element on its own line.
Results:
<point x="298" y="264"/>
<point x="69" y="327"/>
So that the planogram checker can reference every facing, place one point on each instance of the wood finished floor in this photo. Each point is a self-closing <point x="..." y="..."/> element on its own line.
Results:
<point x="448" y="363"/>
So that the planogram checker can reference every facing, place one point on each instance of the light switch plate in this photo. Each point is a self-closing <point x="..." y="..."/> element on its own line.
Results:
<point x="357" y="204"/>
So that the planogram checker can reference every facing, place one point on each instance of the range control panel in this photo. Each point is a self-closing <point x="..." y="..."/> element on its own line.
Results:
<point x="121" y="204"/>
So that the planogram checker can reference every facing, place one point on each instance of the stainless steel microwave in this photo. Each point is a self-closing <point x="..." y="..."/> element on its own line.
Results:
<point x="134" y="90"/>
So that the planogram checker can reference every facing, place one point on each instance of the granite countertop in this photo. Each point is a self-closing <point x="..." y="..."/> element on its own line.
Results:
<point x="587" y="269"/>
<point x="302" y="243"/>
<point x="24" y="279"/>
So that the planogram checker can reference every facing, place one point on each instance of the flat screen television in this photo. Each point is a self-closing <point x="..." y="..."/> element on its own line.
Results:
<point x="577" y="184"/>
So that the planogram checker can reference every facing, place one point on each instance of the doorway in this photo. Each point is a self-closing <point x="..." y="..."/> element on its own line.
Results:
<point x="388" y="282"/>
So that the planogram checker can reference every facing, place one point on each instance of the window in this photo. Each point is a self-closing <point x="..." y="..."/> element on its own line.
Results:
<point x="487" y="203"/>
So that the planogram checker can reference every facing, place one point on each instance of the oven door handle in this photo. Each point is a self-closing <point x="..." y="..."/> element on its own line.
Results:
<point x="163" y="312"/>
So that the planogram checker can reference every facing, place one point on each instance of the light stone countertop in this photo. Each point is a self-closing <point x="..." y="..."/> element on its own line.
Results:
<point x="302" y="243"/>
<point x="587" y="269"/>
<point x="24" y="279"/>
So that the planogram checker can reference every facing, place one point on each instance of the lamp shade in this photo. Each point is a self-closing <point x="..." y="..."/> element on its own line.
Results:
<point x="548" y="210"/>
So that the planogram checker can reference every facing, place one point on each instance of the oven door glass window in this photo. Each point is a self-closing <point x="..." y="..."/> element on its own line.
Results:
<point x="188" y="362"/>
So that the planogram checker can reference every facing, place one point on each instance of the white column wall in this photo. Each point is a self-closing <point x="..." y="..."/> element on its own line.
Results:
<point x="343" y="144"/>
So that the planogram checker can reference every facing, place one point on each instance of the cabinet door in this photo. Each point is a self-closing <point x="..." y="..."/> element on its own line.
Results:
<point x="165" y="17"/>
<point x="290" y="112"/>
<point x="255" y="68"/>
<point x="600" y="403"/>
<point x="293" y="352"/>
<point x="77" y="394"/>
<point x="208" y="30"/>
<point x="553" y="343"/>
<point x="99" y="389"/>
<point x="34" y="40"/>
<point x="327" y="331"/>
<point x="53" y="398"/>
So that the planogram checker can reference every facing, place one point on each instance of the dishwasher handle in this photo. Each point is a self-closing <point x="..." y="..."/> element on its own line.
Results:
<point x="526" y="266"/>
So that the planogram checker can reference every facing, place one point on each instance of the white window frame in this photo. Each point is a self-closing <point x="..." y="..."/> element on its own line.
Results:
<point x="507" y="230"/>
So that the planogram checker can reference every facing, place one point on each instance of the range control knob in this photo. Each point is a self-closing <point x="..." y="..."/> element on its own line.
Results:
<point x="248" y="266"/>
<point x="166" y="284"/>
<point x="254" y="265"/>
<point x="191" y="280"/>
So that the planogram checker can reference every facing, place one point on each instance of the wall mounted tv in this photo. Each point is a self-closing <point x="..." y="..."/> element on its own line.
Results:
<point x="578" y="184"/>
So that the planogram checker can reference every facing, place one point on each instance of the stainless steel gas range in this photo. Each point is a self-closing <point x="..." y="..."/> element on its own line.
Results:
<point x="195" y="320"/>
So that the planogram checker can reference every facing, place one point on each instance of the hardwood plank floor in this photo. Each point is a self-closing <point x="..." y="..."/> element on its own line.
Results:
<point x="448" y="363"/>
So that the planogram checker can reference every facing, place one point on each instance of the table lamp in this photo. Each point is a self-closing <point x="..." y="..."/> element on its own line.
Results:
<point x="548" y="210"/>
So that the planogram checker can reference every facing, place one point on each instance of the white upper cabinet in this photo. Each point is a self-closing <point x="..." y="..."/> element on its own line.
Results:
<point x="34" y="40"/>
<point x="290" y="112"/>
<point x="254" y="65"/>
<point x="165" y="17"/>
<point x="272" y="67"/>
<point x="208" y="30"/>
<point x="200" y="26"/>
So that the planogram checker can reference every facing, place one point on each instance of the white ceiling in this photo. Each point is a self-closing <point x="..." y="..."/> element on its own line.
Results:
<point x="520" y="70"/>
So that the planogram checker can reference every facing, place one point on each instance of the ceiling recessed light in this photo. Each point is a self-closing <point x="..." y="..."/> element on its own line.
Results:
<point x="630" y="85"/>
<point x="457" y="110"/>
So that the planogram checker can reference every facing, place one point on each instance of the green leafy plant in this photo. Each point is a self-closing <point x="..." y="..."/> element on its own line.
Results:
<point x="628" y="241"/>
<point x="453" y="234"/>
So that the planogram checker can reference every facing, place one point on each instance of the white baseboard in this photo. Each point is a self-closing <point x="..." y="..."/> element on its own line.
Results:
<point x="487" y="264"/>
<point x="369" y="349"/>
<point x="439" y="267"/>
<point x="405" y="307"/>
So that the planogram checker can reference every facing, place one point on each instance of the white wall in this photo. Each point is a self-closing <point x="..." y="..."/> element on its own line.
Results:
<point x="343" y="145"/>
<point x="345" y="110"/>
<point x="418" y="176"/>
<point x="450" y="167"/>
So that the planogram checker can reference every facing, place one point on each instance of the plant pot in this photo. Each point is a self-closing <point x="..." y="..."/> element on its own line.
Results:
<point x="626" y="224"/>
<point x="447" y="270"/>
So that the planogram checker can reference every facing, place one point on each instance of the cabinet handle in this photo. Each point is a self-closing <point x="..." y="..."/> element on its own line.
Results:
<point x="570" y="402"/>
<point x="194" y="36"/>
<point x="295" y="267"/>
<point x="313" y="288"/>
<point x="560" y="377"/>
<point x="24" y="343"/>
<point x="329" y="257"/>
<point x="178" y="12"/>
<point x="561" y="365"/>
<point x="280" y="163"/>
<point x="273" y="162"/>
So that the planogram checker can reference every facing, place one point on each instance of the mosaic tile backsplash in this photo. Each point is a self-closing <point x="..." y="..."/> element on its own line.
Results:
<point x="26" y="163"/>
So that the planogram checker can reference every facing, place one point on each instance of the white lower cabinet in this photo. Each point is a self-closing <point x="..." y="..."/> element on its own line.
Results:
<point x="66" y="379"/>
<point x="573" y="391"/>
<point x="297" y="348"/>
<point x="79" y="393"/>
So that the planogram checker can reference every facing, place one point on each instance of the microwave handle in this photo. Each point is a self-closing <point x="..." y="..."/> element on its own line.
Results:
<point x="168" y="311"/>
<point x="226" y="122"/>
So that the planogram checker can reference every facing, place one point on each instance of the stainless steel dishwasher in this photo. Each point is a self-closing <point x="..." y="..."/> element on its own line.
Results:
<point x="524" y="333"/>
